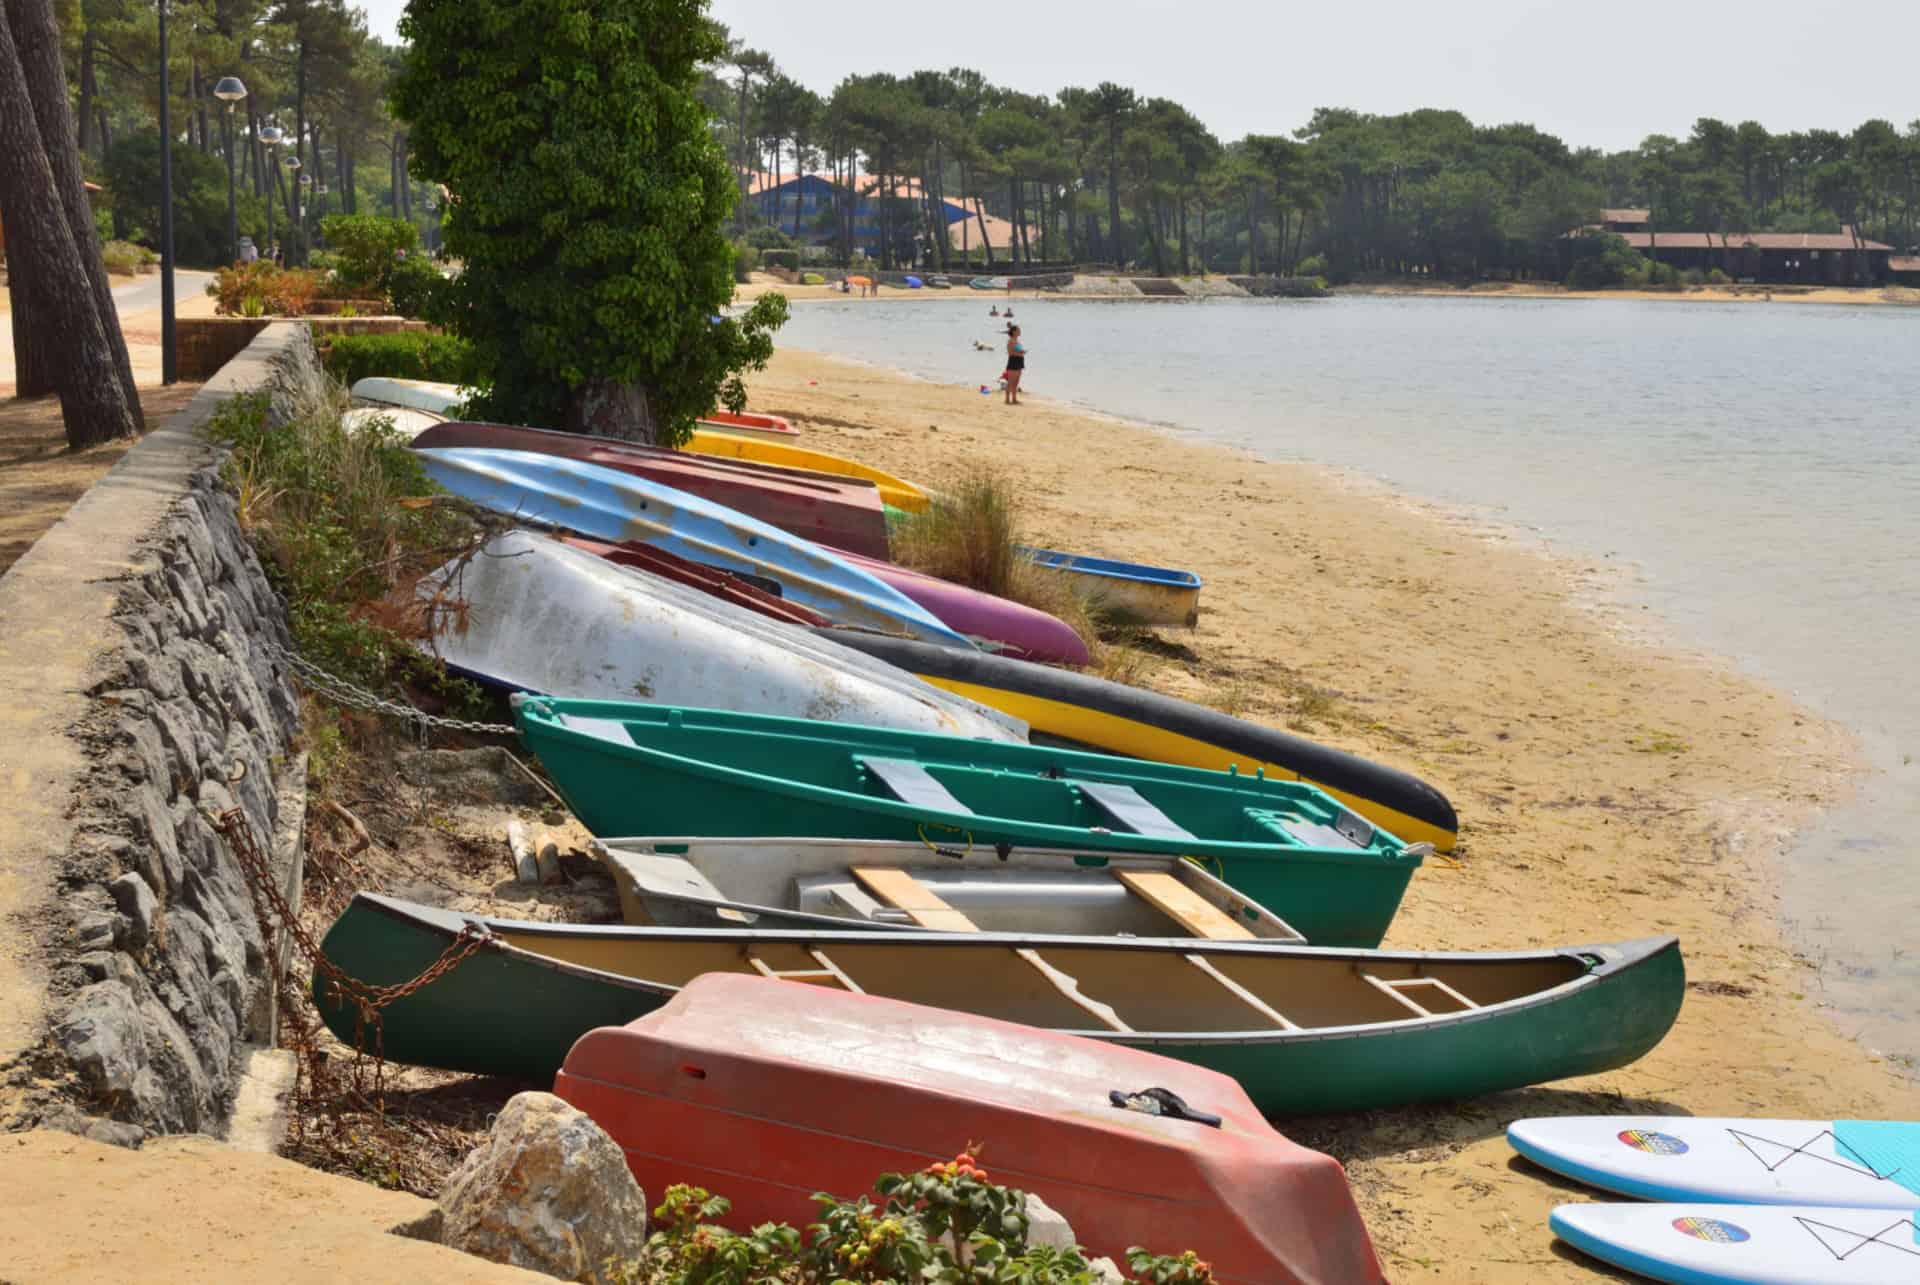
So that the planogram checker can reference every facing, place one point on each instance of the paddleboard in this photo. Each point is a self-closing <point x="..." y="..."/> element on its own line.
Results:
<point x="1702" y="1244"/>
<point x="1753" y="1162"/>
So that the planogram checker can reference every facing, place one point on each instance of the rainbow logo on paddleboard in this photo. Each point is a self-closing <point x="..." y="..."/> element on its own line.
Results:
<point x="1713" y="1230"/>
<point x="1654" y="1144"/>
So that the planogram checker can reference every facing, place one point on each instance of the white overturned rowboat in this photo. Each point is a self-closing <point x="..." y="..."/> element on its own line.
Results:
<point x="419" y="394"/>
<point x="532" y="614"/>
<point x="955" y="887"/>
<point x="406" y="421"/>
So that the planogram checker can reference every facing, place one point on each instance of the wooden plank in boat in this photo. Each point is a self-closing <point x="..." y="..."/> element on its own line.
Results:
<point x="899" y="889"/>
<point x="1165" y="893"/>
<point x="1128" y="807"/>
<point x="913" y="784"/>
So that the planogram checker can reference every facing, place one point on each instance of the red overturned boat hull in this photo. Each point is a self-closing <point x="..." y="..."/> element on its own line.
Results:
<point x="1011" y="628"/>
<point x="765" y="1092"/>
<point x="724" y="585"/>
<point x="841" y="511"/>
<point x="743" y="422"/>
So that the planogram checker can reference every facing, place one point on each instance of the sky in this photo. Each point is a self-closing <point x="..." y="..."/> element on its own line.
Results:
<point x="1596" y="75"/>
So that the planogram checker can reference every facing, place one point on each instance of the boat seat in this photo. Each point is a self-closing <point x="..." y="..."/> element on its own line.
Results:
<point x="1347" y="830"/>
<point x="912" y="783"/>
<point x="924" y="906"/>
<point x="1165" y="893"/>
<point x="834" y="894"/>
<point x="639" y="875"/>
<point x="828" y="972"/>
<point x="1242" y="994"/>
<point x="1128" y="809"/>
<point x="1397" y="989"/>
<point x="606" y="729"/>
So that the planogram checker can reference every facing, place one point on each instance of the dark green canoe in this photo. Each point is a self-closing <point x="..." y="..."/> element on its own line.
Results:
<point x="645" y="769"/>
<point x="1304" y="1029"/>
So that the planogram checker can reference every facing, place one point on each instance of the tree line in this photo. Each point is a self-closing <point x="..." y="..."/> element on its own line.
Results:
<point x="1109" y="175"/>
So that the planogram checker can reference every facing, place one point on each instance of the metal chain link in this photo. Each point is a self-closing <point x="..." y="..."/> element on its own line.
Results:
<point x="357" y="697"/>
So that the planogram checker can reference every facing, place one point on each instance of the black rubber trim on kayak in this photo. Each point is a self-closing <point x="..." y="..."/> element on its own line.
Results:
<point x="1323" y="765"/>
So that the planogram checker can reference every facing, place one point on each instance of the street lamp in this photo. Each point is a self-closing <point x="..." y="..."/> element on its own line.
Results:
<point x="168" y="372"/>
<point x="230" y="90"/>
<point x="296" y="229"/>
<point x="271" y="136"/>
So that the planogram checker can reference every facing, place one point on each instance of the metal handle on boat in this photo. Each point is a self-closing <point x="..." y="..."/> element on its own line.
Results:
<point x="1162" y="1102"/>
<point x="1420" y="850"/>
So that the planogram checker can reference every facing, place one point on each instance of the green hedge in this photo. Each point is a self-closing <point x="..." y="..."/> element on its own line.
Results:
<point x="412" y="354"/>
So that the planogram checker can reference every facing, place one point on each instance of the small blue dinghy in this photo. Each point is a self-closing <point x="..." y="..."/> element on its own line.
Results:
<point x="1129" y="592"/>
<point x="610" y="505"/>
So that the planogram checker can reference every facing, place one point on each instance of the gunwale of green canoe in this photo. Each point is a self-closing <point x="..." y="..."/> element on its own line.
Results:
<point x="1335" y="897"/>
<point x="511" y="1009"/>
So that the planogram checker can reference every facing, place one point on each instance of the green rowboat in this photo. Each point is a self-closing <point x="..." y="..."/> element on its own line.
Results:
<point x="642" y="769"/>
<point x="1304" y="1029"/>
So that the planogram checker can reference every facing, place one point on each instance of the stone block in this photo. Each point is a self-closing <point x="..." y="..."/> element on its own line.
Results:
<point x="100" y="1034"/>
<point x="548" y="1191"/>
<point x="134" y="896"/>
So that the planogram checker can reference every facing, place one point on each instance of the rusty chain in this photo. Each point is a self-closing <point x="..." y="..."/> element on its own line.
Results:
<point x="342" y="988"/>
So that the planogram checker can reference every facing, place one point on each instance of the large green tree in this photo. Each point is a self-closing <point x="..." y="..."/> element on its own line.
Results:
<point x="587" y="195"/>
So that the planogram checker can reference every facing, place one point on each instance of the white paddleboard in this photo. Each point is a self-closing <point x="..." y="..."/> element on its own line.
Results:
<point x="1749" y="1162"/>
<point x="1701" y="1244"/>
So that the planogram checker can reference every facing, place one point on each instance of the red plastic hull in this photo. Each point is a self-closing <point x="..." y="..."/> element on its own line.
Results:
<point x="1023" y="632"/>
<point x="766" y="1092"/>
<point x="844" y="512"/>
<point x="767" y="425"/>
<point x="721" y="584"/>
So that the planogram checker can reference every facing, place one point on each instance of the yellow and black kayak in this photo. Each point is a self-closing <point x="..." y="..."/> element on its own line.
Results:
<point x="1060" y="705"/>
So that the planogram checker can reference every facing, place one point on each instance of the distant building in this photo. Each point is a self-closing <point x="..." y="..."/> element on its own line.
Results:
<point x="795" y="204"/>
<point x="1842" y="258"/>
<point x="1905" y="268"/>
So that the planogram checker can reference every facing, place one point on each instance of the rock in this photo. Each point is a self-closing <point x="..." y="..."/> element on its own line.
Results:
<point x="1107" y="1272"/>
<point x="97" y="930"/>
<point x="549" y="863"/>
<point x="548" y="1191"/>
<point x="1046" y="1227"/>
<point x="138" y="904"/>
<point x="111" y="1132"/>
<point x="101" y="1037"/>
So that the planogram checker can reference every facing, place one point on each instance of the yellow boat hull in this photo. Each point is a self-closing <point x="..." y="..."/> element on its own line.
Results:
<point x="898" y="492"/>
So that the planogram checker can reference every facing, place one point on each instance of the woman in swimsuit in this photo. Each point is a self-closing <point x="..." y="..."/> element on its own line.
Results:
<point x="1016" y="364"/>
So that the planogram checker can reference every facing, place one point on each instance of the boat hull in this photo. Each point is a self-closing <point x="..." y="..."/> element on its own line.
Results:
<point x="629" y="635"/>
<point x="1334" y="897"/>
<point x="418" y="394"/>
<point x="845" y="513"/>
<point x="1129" y="593"/>
<point x="827" y="1090"/>
<point x="897" y="492"/>
<point x="614" y="506"/>
<point x="773" y="427"/>
<point x="1012" y="629"/>
<point x="1117" y="719"/>
<point x="508" y="1011"/>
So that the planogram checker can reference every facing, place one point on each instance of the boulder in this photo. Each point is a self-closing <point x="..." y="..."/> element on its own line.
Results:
<point x="1046" y="1227"/>
<point x="548" y="1191"/>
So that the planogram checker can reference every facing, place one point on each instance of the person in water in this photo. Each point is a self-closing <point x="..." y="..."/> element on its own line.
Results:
<point x="994" y="311"/>
<point x="1016" y="364"/>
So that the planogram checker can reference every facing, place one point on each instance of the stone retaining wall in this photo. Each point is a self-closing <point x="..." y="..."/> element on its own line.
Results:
<point x="145" y="948"/>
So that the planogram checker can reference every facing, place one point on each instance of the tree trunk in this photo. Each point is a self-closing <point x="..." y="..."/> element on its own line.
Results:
<point x="37" y="44"/>
<point x="1113" y="192"/>
<point x="1186" y="264"/>
<point x="609" y="408"/>
<point x="298" y="219"/>
<point x="59" y="303"/>
<point x="33" y="357"/>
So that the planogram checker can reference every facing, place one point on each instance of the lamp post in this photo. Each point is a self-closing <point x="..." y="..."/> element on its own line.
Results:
<point x="230" y="90"/>
<point x="295" y="228"/>
<point x="168" y="372"/>
<point x="270" y="137"/>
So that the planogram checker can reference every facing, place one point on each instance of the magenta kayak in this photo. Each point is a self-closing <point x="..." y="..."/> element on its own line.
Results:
<point x="1010" y="628"/>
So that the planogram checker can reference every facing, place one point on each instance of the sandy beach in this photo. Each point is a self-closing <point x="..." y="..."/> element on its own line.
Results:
<point x="1610" y="786"/>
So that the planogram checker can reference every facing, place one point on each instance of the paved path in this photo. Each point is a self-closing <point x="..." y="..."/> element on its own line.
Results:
<point x="143" y="293"/>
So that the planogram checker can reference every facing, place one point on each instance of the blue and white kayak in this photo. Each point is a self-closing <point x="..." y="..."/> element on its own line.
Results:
<point x="1698" y="1244"/>
<point x="1129" y="592"/>
<point x="610" y="505"/>
<point x="1860" y="1164"/>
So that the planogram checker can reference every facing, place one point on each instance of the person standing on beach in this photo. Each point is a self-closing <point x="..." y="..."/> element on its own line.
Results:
<point x="1016" y="364"/>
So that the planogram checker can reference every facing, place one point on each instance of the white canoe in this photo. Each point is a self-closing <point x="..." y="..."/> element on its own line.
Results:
<point x="1853" y="1164"/>
<point x="1698" y="1244"/>
<point x="420" y="394"/>
<point x="955" y="887"/>
<point x="532" y="614"/>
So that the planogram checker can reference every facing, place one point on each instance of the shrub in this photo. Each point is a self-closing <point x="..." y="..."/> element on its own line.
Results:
<point x="765" y="237"/>
<point x="125" y="258"/>
<point x="284" y="292"/>
<point x="412" y="354"/>
<point x="745" y="259"/>
<point x="1314" y="265"/>
<point x="414" y="286"/>
<point x="1716" y="277"/>
<point x="367" y="247"/>
<point x="787" y="259"/>
<point x="1602" y="259"/>
<point x="1693" y="277"/>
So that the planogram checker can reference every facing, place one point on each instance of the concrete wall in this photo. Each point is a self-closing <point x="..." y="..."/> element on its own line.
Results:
<point x="140" y="689"/>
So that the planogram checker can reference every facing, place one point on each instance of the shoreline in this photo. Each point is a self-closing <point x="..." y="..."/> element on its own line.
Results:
<point x="1857" y="296"/>
<point x="1611" y="784"/>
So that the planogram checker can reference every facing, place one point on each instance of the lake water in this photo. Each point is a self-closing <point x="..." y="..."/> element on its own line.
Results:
<point x="1757" y="464"/>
